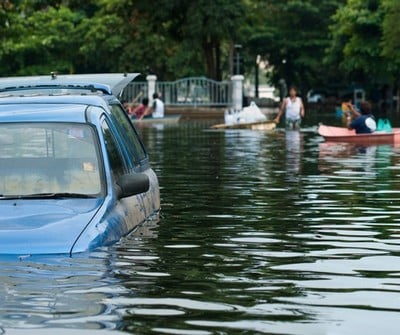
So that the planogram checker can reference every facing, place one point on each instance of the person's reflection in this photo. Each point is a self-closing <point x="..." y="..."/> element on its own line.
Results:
<point x="293" y="139"/>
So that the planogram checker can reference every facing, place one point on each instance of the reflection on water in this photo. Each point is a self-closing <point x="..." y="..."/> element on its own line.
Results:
<point x="293" y="140"/>
<point x="58" y="292"/>
<point x="275" y="233"/>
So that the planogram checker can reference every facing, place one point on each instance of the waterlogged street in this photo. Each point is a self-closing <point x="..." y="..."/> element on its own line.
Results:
<point x="260" y="233"/>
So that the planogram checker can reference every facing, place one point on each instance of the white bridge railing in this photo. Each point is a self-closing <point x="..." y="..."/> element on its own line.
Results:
<point x="193" y="91"/>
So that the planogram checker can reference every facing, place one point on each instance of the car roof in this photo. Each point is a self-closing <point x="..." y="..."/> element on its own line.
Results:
<point x="58" y="97"/>
<point x="69" y="108"/>
<point x="107" y="83"/>
<point x="54" y="99"/>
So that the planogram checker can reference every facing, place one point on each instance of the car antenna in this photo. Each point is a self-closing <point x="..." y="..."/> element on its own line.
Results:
<point x="53" y="75"/>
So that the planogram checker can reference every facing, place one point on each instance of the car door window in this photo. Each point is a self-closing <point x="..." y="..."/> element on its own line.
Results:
<point x="115" y="156"/>
<point x="131" y="138"/>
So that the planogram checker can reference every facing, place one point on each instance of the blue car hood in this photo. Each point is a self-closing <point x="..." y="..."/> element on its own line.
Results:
<point x="43" y="226"/>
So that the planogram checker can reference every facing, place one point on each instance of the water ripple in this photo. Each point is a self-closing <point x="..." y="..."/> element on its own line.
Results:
<point x="260" y="233"/>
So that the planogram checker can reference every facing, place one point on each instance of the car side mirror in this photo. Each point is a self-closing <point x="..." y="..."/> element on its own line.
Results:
<point x="132" y="184"/>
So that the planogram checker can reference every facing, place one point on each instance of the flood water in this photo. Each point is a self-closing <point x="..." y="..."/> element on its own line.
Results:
<point x="260" y="233"/>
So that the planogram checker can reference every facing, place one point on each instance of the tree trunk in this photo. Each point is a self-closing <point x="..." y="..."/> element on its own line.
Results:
<point x="212" y="52"/>
<point x="218" y="74"/>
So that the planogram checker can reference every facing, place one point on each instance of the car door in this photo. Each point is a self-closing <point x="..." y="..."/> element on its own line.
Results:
<point x="130" y="211"/>
<point x="136" y="156"/>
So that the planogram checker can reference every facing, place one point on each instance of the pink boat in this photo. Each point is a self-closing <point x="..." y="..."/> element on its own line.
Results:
<point x="342" y="134"/>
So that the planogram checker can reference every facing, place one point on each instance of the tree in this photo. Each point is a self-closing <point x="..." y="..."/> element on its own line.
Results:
<point x="391" y="35"/>
<point x="38" y="41"/>
<point x="214" y="24"/>
<point x="292" y="37"/>
<point x="176" y="38"/>
<point x="101" y="48"/>
<point x="195" y="37"/>
<point x="356" y="41"/>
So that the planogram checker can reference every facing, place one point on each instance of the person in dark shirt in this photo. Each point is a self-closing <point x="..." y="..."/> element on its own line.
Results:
<point x="363" y="122"/>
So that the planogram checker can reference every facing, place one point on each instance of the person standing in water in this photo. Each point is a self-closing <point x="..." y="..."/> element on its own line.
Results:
<point x="293" y="108"/>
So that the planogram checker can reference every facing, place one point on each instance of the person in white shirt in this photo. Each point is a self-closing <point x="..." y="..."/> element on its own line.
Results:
<point x="157" y="110"/>
<point x="293" y="108"/>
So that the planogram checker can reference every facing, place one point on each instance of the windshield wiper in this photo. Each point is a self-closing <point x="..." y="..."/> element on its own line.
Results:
<point x="70" y="195"/>
<point x="46" y="196"/>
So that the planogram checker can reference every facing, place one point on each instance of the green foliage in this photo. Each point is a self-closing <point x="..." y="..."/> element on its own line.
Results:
<point x="103" y="39"/>
<point x="356" y="33"/>
<point x="292" y="36"/>
<point x="171" y="38"/>
<point x="203" y="30"/>
<point x="305" y="42"/>
<point x="39" y="42"/>
<point x="391" y="34"/>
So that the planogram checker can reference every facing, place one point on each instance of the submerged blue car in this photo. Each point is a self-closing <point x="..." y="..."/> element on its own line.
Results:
<point x="74" y="174"/>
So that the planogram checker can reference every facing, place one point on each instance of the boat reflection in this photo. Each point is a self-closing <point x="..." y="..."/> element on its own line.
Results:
<point x="351" y="159"/>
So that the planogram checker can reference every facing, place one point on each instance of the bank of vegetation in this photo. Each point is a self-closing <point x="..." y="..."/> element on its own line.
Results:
<point x="308" y="42"/>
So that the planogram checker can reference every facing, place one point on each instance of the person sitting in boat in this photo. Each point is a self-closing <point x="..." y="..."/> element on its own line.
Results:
<point x="293" y="108"/>
<point x="363" y="121"/>
<point x="140" y="111"/>
<point x="157" y="110"/>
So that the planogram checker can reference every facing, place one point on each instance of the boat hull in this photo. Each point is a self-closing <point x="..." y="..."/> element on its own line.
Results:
<point x="341" y="134"/>
<point x="264" y="125"/>
<point x="170" y="119"/>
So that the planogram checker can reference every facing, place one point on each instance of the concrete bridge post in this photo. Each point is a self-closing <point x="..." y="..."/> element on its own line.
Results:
<point x="151" y="85"/>
<point x="237" y="92"/>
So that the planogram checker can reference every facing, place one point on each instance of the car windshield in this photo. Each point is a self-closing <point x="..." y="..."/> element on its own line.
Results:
<point x="48" y="159"/>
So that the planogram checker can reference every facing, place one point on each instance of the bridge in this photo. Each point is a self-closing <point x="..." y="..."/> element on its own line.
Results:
<point x="189" y="92"/>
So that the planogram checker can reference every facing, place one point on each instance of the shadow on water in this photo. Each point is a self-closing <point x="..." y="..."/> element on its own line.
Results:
<point x="261" y="232"/>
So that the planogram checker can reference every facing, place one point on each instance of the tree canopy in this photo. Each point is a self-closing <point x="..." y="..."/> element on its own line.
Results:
<point x="292" y="37"/>
<point x="356" y="32"/>
<point x="306" y="42"/>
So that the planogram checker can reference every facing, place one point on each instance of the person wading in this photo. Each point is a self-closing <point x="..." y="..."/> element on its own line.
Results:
<point x="293" y="108"/>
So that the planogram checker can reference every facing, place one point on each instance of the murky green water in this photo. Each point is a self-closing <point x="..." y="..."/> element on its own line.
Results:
<point x="261" y="233"/>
